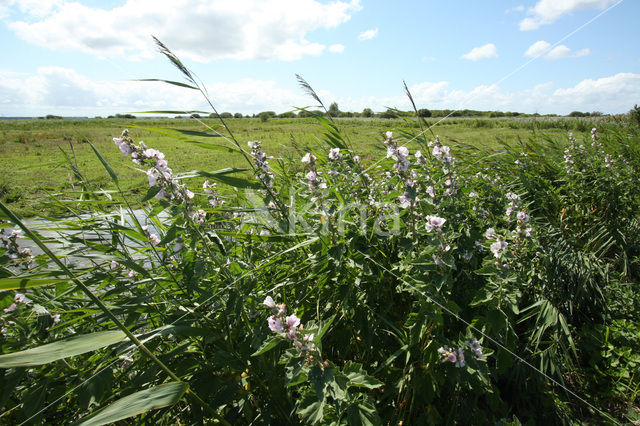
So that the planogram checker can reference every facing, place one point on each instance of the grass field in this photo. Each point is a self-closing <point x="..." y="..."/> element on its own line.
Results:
<point x="34" y="166"/>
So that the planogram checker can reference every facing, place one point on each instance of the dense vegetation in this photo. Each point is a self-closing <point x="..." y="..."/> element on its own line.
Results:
<point x="424" y="284"/>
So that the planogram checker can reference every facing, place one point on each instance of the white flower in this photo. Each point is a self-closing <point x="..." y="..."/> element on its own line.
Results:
<point x="154" y="240"/>
<point x="434" y="222"/>
<point x="308" y="158"/>
<point x="389" y="135"/>
<point x="402" y="152"/>
<point x="489" y="233"/>
<point x="430" y="191"/>
<point x="268" y="301"/>
<point x="334" y="154"/>
<point x="405" y="200"/>
<point x="523" y="217"/>
<point x="497" y="247"/>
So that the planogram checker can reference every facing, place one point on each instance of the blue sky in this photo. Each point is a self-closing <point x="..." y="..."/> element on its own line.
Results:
<point x="79" y="58"/>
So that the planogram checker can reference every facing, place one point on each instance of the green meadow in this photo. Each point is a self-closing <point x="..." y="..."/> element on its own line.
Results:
<point x="35" y="154"/>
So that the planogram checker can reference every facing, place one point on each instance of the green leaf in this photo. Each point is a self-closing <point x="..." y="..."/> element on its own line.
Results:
<point x="14" y="283"/>
<point x="137" y="403"/>
<point x="358" y="377"/>
<point x="152" y="192"/>
<point x="363" y="413"/>
<point x="175" y="83"/>
<point x="311" y="409"/>
<point x="267" y="345"/>
<point x="72" y="346"/>
<point x="105" y="163"/>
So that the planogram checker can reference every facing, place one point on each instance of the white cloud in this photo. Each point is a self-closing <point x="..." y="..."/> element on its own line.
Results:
<point x="368" y="35"/>
<point x="63" y="91"/>
<point x="538" y="48"/>
<point x="203" y="31"/>
<point x="546" y="12"/>
<point x="516" y="9"/>
<point x="582" y="52"/>
<point x="559" y="52"/>
<point x="614" y="94"/>
<point x="483" y="52"/>
<point x="544" y="49"/>
<point x="336" y="48"/>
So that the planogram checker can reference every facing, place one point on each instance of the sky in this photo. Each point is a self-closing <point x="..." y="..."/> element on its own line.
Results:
<point x="83" y="58"/>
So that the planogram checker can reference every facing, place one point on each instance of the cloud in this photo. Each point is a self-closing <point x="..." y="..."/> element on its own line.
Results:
<point x="516" y="9"/>
<point x="544" y="49"/>
<point x="546" y="12"/>
<point x="64" y="91"/>
<point x="613" y="94"/>
<point x="204" y="31"/>
<point x="483" y="52"/>
<point x="368" y="35"/>
<point x="336" y="48"/>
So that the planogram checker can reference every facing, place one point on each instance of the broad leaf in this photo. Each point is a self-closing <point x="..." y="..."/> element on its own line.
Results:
<point x="72" y="346"/>
<point x="358" y="377"/>
<point x="16" y="283"/>
<point x="137" y="403"/>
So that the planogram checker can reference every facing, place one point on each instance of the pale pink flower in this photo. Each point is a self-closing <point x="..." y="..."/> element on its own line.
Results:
<point x="334" y="154"/>
<point x="154" y="240"/>
<point x="497" y="247"/>
<point x="11" y="308"/>
<point x="489" y="233"/>
<point x="19" y="298"/>
<point x="275" y="324"/>
<point x="268" y="301"/>
<point x="434" y="222"/>
<point x="523" y="217"/>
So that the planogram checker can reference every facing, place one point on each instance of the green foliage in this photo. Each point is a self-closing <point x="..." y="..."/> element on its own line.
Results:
<point x="459" y="286"/>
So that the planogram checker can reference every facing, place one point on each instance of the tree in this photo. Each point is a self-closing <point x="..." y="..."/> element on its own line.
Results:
<point x="334" y="111"/>
<point x="264" y="116"/>
<point x="237" y="115"/>
<point x="367" y="112"/>
<point x="424" y="113"/>
<point x="389" y="113"/>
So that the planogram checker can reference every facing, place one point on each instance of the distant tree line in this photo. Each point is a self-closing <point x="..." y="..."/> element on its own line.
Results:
<point x="389" y="113"/>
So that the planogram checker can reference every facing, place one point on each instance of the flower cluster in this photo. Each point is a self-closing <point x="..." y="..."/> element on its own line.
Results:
<point x="18" y="299"/>
<point x="457" y="356"/>
<point x="453" y="356"/>
<point x="9" y="240"/>
<point x="288" y="325"/>
<point x="514" y="203"/>
<point x="261" y="161"/>
<point x="400" y="154"/>
<point x="210" y="188"/>
<point x="441" y="152"/>
<point x="475" y="347"/>
<point x="313" y="176"/>
<point x="159" y="175"/>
